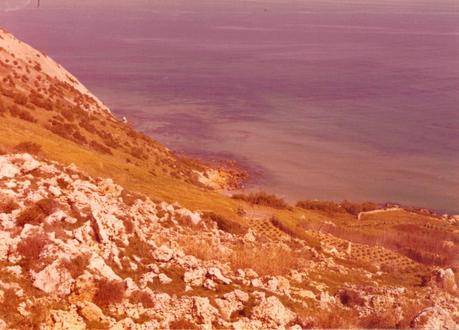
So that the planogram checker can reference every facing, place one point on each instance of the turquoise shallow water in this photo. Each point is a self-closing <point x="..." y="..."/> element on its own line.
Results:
<point x="323" y="99"/>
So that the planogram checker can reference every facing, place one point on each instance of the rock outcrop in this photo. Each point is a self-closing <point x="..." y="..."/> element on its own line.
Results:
<point x="140" y="266"/>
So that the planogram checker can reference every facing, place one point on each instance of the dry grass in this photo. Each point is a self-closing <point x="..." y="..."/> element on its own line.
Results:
<point x="224" y="223"/>
<point x="109" y="292"/>
<point x="28" y="147"/>
<point x="7" y="204"/>
<point x="269" y="259"/>
<point x="30" y="249"/>
<point x="141" y="297"/>
<point x="276" y="222"/>
<point x="77" y="265"/>
<point x="36" y="213"/>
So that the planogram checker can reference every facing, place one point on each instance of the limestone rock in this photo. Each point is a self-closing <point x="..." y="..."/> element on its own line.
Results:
<point x="232" y="302"/>
<point x="194" y="277"/>
<point x="163" y="254"/>
<point x="164" y="279"/>
<point x="67" y="320"/>
<point x="203" y="311"/>
<point x="7" y="169"/>
<point x="216" y="274"/>
<point x="272" y="311"/>
<point x="92" y="313"/>
<point x="446" y="280"/>
<point x="53" y="279"/>
<point x="433" y="318"/>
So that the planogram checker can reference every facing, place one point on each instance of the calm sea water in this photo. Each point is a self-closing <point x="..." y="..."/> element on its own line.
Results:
<point x="324" y="99"/>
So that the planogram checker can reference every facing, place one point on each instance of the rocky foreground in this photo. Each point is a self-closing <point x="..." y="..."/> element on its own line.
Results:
<point x="78" y="252"/>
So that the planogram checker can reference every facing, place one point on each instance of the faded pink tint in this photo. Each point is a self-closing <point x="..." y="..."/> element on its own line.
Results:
<point x="325" y="99"/>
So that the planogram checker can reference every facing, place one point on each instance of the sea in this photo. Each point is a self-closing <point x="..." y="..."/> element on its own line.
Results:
<point x="330" y="99"/>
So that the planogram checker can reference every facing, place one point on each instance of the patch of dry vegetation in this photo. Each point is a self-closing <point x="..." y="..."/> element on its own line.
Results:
<point x="7" y="204"/>
<point x="109" y="292"/>
<point x="263" y="198"/>
<point x="331" y="207"/>
<point x="28" y="147"/>
<point x="77" y="265"/>
<point x="36" y="213"/>
<point x="224" y="223"/>
<point x="267" y="259"/>
<point x="30" y="249"/>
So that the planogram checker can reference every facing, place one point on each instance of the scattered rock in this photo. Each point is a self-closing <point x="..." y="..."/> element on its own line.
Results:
<point x="272" y="311"/>
<point x="433" y="318"/>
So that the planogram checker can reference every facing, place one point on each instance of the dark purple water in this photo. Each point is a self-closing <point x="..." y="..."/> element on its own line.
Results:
<point x="328" y="99"/>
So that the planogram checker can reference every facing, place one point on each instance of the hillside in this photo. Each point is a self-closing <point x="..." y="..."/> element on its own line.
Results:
<point x="103" y="227"/>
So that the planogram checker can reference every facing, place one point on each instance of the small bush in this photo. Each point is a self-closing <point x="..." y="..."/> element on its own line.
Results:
<point x="325" y="206"/>
<point x="68" y="114"/>
<point x="109" y="292"/>
<point x="21" y="114"/>
<point x="36" y="213"/>
<point x="100" y="148"/>
<point x="141" y="297"/>
<point x="224" y="223"/>
<point x="7" y="204"/>
<point x="78" y="137"/>
<point x="356" y="208"/>
<point x="31" y="247"/>
<point x="77" y="265"/>
<point x="262" y="198"/>
<point x="2" y="107"/>
<point x="21" y="99"/>
<point x="28" y="147"/>
<point x="62" y="129"/>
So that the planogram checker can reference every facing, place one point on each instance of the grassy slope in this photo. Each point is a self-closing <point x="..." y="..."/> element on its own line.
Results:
<point x="129" y="175"/>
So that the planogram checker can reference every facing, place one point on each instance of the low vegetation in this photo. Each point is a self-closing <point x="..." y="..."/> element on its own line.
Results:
<point x="330" y="207"/>
<point x="30" y="249"/>
<point x="264" y="259"/>
<point x="7" y="204"/>
<point x="263" y="198"/>
<point x="224" y="223"/>
<point x="36" y="213"/>
<point x="28" y="147"/>
<point x="77" y="265"/>
<point x="109" y="292"/>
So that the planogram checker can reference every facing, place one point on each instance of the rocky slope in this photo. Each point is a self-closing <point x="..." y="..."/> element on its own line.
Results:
<point x="79" y="252"/>
<point x="161" y="249"/>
